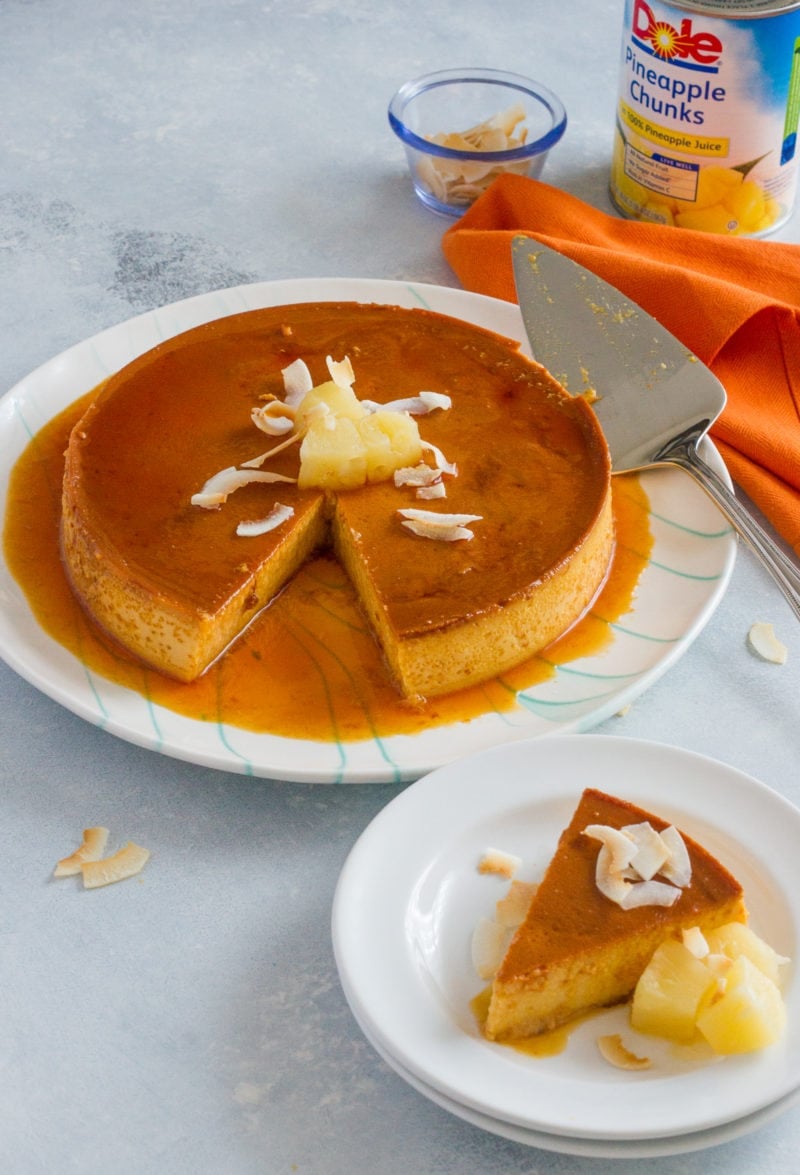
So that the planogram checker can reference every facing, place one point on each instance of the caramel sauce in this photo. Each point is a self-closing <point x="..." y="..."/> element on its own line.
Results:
<point x="544" y="1044"/>
<point x="308" y="667"/>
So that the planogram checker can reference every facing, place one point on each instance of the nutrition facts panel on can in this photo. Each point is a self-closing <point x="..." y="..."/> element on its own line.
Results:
<point x="707" y="115"/>
<point x="660" y="173"/>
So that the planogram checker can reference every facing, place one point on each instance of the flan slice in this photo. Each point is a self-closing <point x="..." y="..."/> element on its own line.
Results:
<point x="577" y="949"/>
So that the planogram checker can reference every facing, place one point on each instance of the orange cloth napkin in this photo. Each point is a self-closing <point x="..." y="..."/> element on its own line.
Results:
<point x="734" y="302"/>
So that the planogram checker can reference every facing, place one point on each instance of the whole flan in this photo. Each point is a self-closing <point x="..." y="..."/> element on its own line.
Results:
<point x="175" y="584"/>
<point x="577" y="949"/>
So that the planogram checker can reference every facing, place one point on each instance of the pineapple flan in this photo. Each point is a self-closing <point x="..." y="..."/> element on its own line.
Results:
<point x="579" y="948"/>
<point x="175" y="574"/>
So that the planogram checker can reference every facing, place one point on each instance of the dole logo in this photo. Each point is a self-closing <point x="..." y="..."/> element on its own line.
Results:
<point x="669" y="43"/>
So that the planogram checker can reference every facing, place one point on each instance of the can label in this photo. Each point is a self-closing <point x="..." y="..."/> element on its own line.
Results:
<point x="707" y="116"/>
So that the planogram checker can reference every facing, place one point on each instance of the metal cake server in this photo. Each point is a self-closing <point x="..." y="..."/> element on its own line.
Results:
<point x="655" y="399"/>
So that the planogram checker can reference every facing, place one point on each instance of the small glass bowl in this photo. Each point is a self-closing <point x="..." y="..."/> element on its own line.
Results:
<point x="448" y="174"/>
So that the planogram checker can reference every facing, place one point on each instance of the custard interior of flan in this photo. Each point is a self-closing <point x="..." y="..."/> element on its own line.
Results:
<point x="175" y="584"/>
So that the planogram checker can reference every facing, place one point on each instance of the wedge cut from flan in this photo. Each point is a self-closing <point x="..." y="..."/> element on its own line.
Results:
<point x="578" y="950"/>
<point x="175" y="584"/>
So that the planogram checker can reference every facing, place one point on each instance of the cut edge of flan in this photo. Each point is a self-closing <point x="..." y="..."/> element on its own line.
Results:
<point x="177" y="640"/>
<point x="455" y="657"/>
<point x="576" y="950"/>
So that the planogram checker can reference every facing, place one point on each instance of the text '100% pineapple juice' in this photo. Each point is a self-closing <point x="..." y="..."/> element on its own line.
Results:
<point x="707" y="117"/>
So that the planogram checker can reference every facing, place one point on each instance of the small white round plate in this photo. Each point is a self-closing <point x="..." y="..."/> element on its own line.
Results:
<point x="596" y="1148"/>
<point x="410" y="895"/>
<point x="689" y="569"/>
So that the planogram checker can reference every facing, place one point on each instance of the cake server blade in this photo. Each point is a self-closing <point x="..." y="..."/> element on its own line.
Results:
<point x="654" y="399"/>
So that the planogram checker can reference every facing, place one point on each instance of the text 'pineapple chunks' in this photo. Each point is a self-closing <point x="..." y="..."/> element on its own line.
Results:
<point x="728" y="992"/>
<point x="345" y="445"/>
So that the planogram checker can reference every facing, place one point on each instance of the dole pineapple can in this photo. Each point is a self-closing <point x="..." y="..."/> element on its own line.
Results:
<point x="707" y="114"/>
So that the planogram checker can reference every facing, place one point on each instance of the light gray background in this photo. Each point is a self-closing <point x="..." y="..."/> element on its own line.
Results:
<point x="191" y="1021"/>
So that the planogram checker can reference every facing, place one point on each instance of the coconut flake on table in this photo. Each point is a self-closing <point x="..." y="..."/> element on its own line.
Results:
<point x="126" y="862"/>
<point x="277" y="515"/>
<point x="217" y="489"/>
<point x="762" y="640"/>
<point x="430" y="524"/>
<point x="91" y="848"/>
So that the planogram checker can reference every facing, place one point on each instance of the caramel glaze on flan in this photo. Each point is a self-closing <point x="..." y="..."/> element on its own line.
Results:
<point x="175" y="585"/>
<point x="576" y="949"/>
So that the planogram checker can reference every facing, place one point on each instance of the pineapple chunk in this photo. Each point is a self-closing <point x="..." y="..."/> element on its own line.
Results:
<point x="332" y="455"/>
<point x="748" y="1015"/>
<point x="715" y="184"/>
<point x="736" y="939"/>
<point x="717" y="218"/>
<point x="392" y="442"/>
<point x="670" y="991"/>
<point x="342" y="402"/>
<point x="747" y="204"/>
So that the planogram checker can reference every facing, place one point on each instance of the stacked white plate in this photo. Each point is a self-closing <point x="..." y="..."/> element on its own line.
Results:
<point x="410" y="895"/>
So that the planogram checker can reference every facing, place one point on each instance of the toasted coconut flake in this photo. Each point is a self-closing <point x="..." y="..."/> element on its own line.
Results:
<point x="217" y="488"/>
<point x="620" y="849"/>
<point x="460" y="180"/>
<point x="500" y="862"/>
<point x="126" y="862"/>
<point x="510" y="911"/>
<point x="437" y="489"/>
<point x="488" y="947"/>
<point x="441" y="462"/>
<point x="91" y="849"/>
<point x="678" y="868"/>
<point x="629" y="877"/>
<point x="416" y="475"/>
<point x="341" y="372"/>
<point x="613" y="1049"/>
<point x="277" y="515"/>
<point x="651" y="852"/>
<point x="257" y="462"/>
<point x="609" y="881"/>
<point x="649" y="893"/>
<point x="274" y="421"/>
<point x="695" y="941"/>
<point x="429" y="524"/>
<point x="297" y="382"/>
<point x="437" y="519"/>
<point x="418" y="405"/>
<point x="765" y="644"/>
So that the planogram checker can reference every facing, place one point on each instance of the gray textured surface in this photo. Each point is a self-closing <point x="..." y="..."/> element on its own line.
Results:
<point x="191" y="1021"/>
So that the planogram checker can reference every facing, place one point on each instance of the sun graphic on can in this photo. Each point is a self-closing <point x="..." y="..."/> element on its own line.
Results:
<point x="665" y="39"/>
